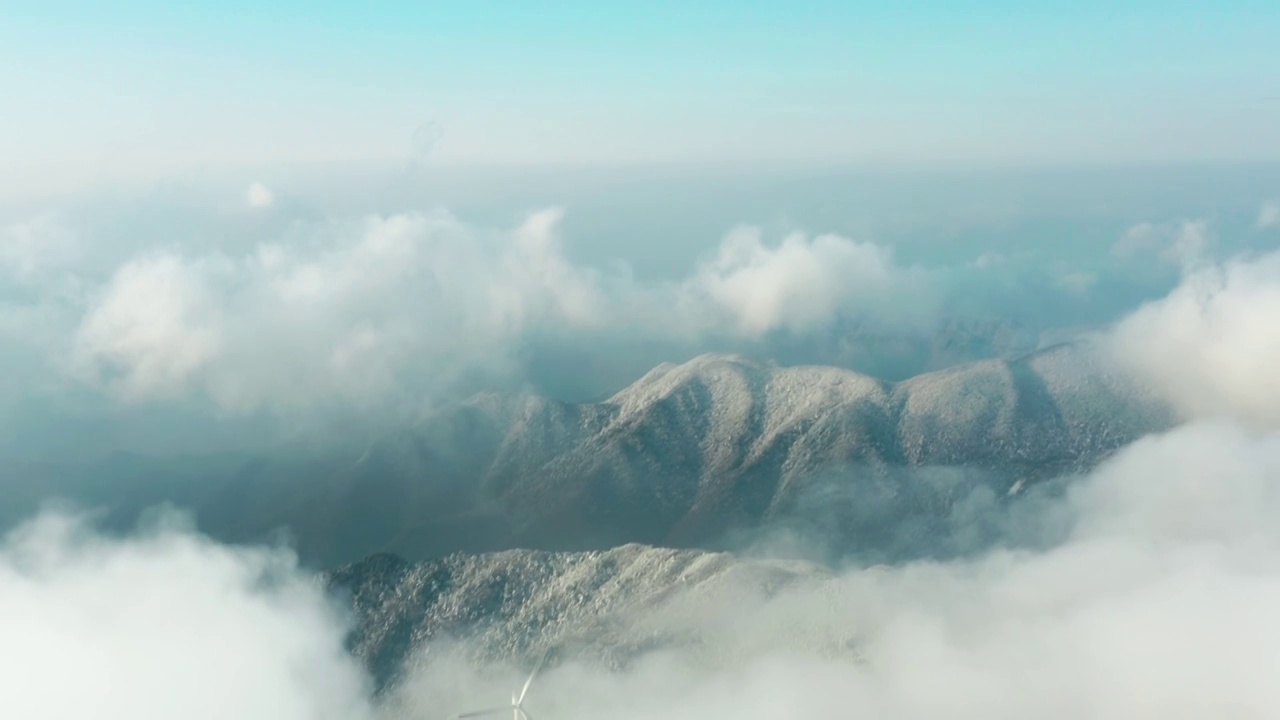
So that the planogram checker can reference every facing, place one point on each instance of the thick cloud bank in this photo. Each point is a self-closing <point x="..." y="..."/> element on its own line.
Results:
<point x="1150" y="593"/>
<point x="1213" y="344"/>
<point x="165" y="625"/>
<point x="1156" y="602"/>
<point x="1146" y="589"/>
<point x="263" y="303"/>
<point x="358" y="312"/>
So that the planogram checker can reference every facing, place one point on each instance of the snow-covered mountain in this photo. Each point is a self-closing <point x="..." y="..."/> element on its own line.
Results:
<point x="680" y="456"/>
<point x="704" y="454"/>
<point x="606" y="607"/>
<point x="692" y="452"/>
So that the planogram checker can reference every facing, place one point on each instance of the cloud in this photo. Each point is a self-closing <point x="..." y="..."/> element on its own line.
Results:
<point x="414" y="308"/>
<point x="1184" y="244"/>
<point x="989" y="260"/>
<point x="35" y="249"/>
<point x="404" y="304"/>
<point x="154" y="328"/>
<point x="535" y="283"/>
<point x="259" y="196"/>
<point x="1269" y="216"/>
<point x="1078" y="283"/>
<point x="1212" y="345"/>
<point x="800" y="285"/>
<point x="166" y="624"/>
<point x="1154" y="602"/>
<point x="1152" y="597"/>
<point x="1140" y="590"/>
<point x="1143" y="237"/>
<point x="279" y="324"/>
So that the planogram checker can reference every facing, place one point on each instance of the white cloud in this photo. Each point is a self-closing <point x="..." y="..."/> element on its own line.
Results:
<point x="1213" y="344"/>
<point x="1155" y="602"/>
<point x="259" y="196"/>
<point x="399" y="308"/>
<point x="396" y="305"/>
<point x="166" y="625"/>
<point x="1144" y="236"/>
<point x="989" y="260"/>
<point x="537" y="283"/>
<point x="276" y="326"/>
<point x="156" y="326"/>
<point x="800" y="285"/>
<point x="1269" y="216"/>
<point x="37" y="248"/>
<point x="1185" y="244"/>
<point x="1191" y="244"/>
<point x="353" y="314"/>
<point x="1153" y="606"/>
<point x="1147" y="595"/>
<point x="1078" y="283"/>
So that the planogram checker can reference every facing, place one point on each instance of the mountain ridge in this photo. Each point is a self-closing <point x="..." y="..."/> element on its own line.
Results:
<point x="724" y="437"/>
<point x="695" y="455"/>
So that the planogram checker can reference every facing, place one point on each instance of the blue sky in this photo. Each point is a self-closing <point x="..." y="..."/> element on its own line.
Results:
<point x="141" y="89"/>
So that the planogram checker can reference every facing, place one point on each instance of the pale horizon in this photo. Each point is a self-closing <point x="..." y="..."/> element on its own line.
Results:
<point x="148" y="91"/>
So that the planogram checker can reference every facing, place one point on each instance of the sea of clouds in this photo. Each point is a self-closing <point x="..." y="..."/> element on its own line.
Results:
<point x="1155" y="602"/>
<point x="264" y="305"/>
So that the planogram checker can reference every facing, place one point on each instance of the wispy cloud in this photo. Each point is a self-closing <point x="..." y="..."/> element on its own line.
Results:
<point x="259" y="196"/>
<point x="35" y="249"/>
<point x="1269" y="216"/>
<point x="1183" y="244"/>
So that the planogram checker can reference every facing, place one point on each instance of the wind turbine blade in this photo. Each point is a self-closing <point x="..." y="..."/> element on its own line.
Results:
<point x="483" y="713"/>
<point x="524" y="690"/>
<point x="524" y="714"/>
<point x="527" y="683"/>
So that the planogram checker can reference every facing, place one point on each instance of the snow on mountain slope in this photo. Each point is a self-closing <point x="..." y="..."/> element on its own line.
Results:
<point x="604" y="606"/>
<point x="692" y="451"/>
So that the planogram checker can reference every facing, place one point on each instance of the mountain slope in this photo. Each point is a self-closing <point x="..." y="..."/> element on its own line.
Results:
<point x="691" y="452"/>
<point x="605" y="606"/>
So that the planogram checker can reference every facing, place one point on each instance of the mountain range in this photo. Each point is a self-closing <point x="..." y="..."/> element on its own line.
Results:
<point x="695" y="453"/>
<point x="710" y="453"/>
